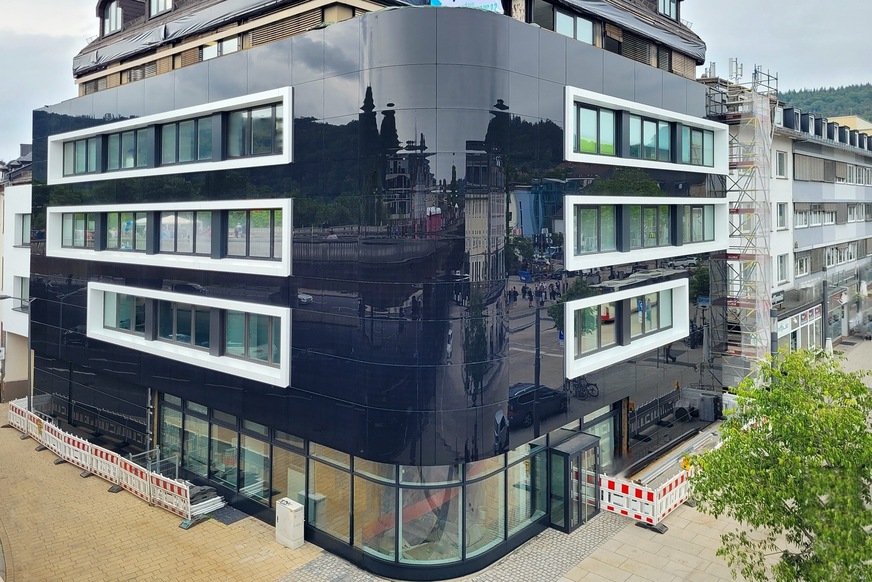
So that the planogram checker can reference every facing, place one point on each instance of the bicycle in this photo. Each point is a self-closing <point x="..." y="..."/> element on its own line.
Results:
<point x="582" y="388"/>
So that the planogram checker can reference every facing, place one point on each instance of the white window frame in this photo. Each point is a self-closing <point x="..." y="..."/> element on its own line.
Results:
<point x="21" y="291"/>
<point x="802" y="266"/>
<point x="800" y="219"/>
<point x="575" y="95"/>
<point x="781" y="268"/>
<point x="575" y="262"/>
<point x="156" y="7"/>
<point x="587" y="363"/>
<point x="781" y="215"/>
<point x="242" y="266"/>
<point x="268" y="374"/>
<point x="781" y="164"/>
<point x="283" y="96"/>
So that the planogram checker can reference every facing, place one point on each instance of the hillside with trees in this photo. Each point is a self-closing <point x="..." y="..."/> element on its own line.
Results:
<point x="833" y="102"/>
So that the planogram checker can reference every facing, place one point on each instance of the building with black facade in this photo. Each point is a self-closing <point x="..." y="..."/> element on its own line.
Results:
<point x="276" y="239"/>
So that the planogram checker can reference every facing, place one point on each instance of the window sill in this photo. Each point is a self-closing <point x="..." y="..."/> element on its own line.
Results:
<point x="21" y="246"/>
<point x="25" y="310"/>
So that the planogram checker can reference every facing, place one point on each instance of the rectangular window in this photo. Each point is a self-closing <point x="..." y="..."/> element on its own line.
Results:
<point x="685" y="144"/>
<point x="126" y="231"/>
<point x="158" y="6"/>
<point x="780" y="164"/>
<point x="595" y="131"/>
<point x="564" y="23"/>
<point x="21" y="288"/>
<point x="223" y="458"/>
<point x="635" y="149"/>
<point x="186" y="141"/>
<point x="196" y="445"/>
<point x="186" y="232"/>
<point x="781" y="268"/>
<point x="782" y="214"/>
<point x="696" y="148"/>
<point x="664" y="142"/>
<point x="649" y="139"/>
<point x="23" y="237"/>
<point x="255" y="132"/>
<point x="127" y="150"/>
<point x="802" y="266"/>
<point x="255" y="234"/>
<point x="593" y="328"/>
<point x="583" y="30"/>
<point x="124" y="312"/>
<point x="78" y="229"/>
<point x="595" y="230"/>
<point x="668" y="8"/>
<point x="251" y="336"/>
<point x="80" y="156"/>
<point x="800" y="219"/>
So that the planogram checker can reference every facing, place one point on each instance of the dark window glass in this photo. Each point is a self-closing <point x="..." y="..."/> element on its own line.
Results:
<point x="237" y="134"/>
<point x="168" y="144"/>
<point x="187" y="141"/>
<point x="204" y="138"/>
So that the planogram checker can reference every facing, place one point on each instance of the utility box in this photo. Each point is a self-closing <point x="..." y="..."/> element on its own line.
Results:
<point x="289" y="523"/>
<point x="711" y="407"/>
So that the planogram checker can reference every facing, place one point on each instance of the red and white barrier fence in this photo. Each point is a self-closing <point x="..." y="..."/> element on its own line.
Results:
<point x="627" y="498"/>
<point x="645" y="504"/>
<point x="174" y="496"/>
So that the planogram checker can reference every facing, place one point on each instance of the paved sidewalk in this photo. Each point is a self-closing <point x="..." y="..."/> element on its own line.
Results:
<point x="54" y="525"/>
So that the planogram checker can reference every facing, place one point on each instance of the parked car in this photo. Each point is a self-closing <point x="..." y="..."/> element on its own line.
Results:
<point x="683" y="263"/>
<point x="522" y="400"/>
<point x="304" y="299"/>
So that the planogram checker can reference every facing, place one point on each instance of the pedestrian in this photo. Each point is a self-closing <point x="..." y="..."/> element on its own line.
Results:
<point x="530" y="304"/>
<point x="514" y="295"/>
<point x="669" y="355"/>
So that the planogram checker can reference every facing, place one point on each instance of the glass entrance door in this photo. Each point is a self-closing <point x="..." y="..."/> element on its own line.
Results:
<point x="574" y="482"/>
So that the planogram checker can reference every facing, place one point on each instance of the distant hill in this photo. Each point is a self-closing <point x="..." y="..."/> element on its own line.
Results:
<point x="850" y="100"/>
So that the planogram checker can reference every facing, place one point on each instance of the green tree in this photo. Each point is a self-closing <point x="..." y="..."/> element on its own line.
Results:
<point x="699" y="283"/>
<point x="795" y="469"/>
<point x="578" y="290"/>
<point x="518" y="250"/>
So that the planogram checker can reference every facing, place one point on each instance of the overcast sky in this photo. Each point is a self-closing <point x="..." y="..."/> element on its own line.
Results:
<point x="808" y="43"/>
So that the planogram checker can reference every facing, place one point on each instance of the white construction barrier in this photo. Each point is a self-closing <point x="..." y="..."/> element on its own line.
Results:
<point x="174" y="496"/>
<point x="645" y="504"/>
<point x="628" y="499"/>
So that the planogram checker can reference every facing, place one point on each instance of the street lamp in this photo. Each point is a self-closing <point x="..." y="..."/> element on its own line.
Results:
<point x="29" y="302"/>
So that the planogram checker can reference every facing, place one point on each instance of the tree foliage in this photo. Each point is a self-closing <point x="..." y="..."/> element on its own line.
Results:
<point x="830" y="102"/>
<point x="795" y="468"/>
<point x="578" y="290"/>
<point x="699" y="283"/>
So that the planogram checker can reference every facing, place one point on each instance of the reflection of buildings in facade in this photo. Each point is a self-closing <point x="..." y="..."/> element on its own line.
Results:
<point x="306" y="340"/>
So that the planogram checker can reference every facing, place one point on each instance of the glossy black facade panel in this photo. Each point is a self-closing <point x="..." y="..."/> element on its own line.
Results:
<point x="404" y="354"/>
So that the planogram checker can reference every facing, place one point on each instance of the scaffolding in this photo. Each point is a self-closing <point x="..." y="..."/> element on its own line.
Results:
<point x="741" y="278"/>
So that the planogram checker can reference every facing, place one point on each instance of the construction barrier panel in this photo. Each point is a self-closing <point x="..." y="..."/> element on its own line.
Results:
<point x="104" y="463"/>
<point x="672" y="494"/>
<point x="174" y="496"/>
<point x="17" y="417"/>
<point x="53" y="438"/>
<point x="171" y="495"/>
<point x="77" y="451"/>
<point x="627" y="498"/>
<point x="134" y="478"/>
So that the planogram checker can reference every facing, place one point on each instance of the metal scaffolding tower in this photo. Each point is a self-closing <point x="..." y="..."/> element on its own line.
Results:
<point x="741" y="278"/>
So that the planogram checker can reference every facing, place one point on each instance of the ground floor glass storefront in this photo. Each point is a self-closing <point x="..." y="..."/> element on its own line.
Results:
<point x="398" y="514"/>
